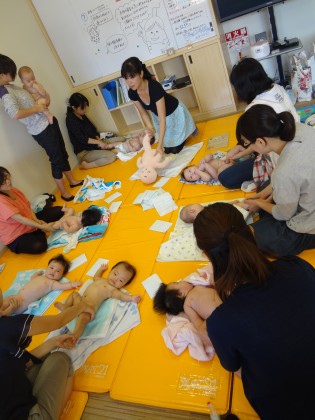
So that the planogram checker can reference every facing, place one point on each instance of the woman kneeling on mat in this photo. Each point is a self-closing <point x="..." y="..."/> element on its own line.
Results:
<point x="287" y="219"/>
<point x="35" y="384"/>
<point x="265" y="325"/>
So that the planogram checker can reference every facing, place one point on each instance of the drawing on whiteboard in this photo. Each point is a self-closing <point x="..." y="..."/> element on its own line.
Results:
<point x="135" y="12"/>
<point x="94" y="34"/>
<point x="116" y="43"/>
<point x="94" y="18"/>
<point x="153" y="32"/>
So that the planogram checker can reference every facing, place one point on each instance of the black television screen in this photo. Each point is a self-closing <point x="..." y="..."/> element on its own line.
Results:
<point x="230" y="9"/>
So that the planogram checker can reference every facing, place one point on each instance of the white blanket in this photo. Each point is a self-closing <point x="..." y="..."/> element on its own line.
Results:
<point x="182" y="244"/>
<point x="180" y="161"/>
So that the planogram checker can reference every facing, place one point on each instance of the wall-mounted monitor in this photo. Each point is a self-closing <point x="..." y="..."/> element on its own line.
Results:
<point x="230" y="9"/>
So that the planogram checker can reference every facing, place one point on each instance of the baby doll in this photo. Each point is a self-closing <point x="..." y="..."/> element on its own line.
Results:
<point x="39" y="285"/>
<point x="150" y="161"/>
<point x="133" y="144"/>
<point x="208" y="168"/>
<point x="101" y="289"/>
<point x="72" y="222"/>
<point x="40" y="96"/>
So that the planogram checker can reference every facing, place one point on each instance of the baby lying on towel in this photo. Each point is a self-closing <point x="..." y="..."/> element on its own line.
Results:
<point x="209" y="168"/>
<point x="101" y="289"/>
<point x="197" y="300"/>
<point x="39" y="285"/>
<point x="72" y="222"/>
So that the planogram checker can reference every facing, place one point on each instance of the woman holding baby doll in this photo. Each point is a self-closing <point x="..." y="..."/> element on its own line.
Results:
<point x="287" y="219"/>
<point x="265" y="325"/>
<point x="20" y="230"/>
<point x="35" y="384"/>
<point x="171" y="119"/>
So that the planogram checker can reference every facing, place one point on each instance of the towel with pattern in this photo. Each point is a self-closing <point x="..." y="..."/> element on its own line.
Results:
<point x="179" y="162"/>
<point x="113" y="318"/>
<point x="41" y="305"/>
<point x="94" y="189"/>
<point x="182" y="245"/>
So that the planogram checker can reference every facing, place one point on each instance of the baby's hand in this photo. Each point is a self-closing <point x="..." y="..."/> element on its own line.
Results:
<point x="202" y="166"/>
<point x="136" y="298"/>
<point x="75" y="284"/>
<point x="104" y="266"/>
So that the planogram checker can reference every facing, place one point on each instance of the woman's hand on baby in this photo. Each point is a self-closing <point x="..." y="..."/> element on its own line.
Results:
<point x="236" y="149"/>
<point x="40" y="108"/>
<point x="159" y="150"/>
<point x="14" y="303"/>
<point x="103" y="145"/>
<point x="136" y="298"/>
<point x="47" y="227"/>
<point x="87" y="309"/>
<point x="65" y="341"/>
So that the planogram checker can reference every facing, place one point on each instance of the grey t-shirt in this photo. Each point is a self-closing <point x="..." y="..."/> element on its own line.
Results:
<point x="293" y="182"/>
<point x="15" y="98"/>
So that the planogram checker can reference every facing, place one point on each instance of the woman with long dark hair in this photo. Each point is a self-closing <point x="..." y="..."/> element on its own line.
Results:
<point x="170" y="117"/>
<point x="265" y="326"/>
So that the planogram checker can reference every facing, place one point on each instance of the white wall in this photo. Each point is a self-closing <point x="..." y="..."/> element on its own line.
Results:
<point x="294" y="18"/>
<point x="23" y="41"/>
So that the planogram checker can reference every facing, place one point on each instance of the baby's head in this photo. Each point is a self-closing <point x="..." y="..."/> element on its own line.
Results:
<point x="91" y="217"/>
<point x="121" y="274"/>
<point x="26" y="75"/>
<point x="189" y="213"/>
<point x="57" y="267"/>
<point x="190" y="173"/>
<point x="170" y="298"/>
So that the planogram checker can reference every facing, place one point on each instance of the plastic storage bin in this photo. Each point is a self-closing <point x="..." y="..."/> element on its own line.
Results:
<point x="109" y="92"/>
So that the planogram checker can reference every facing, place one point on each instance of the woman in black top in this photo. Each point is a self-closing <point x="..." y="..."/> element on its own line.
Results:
<point x="35" y="383"/>
<point x="85" y="139"/>
<point x="170" y="117"/>
<point x="265" y="325"/>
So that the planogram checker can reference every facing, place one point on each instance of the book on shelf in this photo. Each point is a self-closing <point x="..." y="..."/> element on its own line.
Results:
<point x="124" y="90"/>
<point x="119" y="94"/>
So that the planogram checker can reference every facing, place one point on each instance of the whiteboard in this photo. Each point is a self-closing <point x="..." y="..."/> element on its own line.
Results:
<point x="94" y="37"/>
